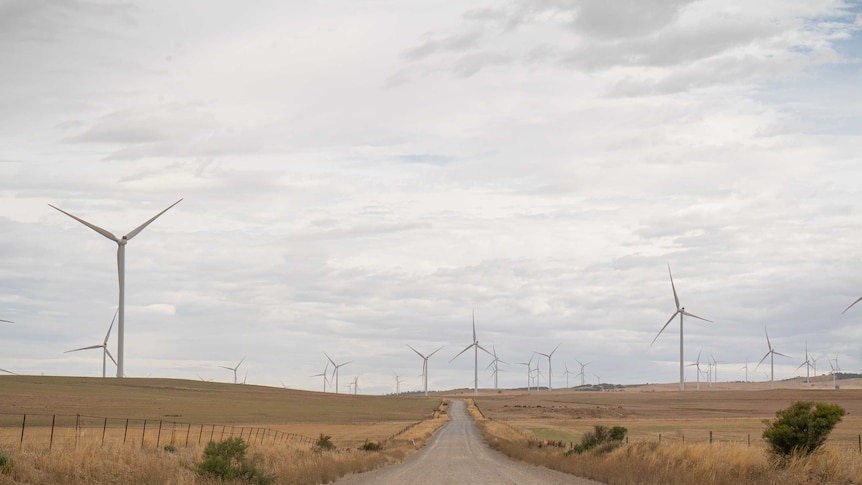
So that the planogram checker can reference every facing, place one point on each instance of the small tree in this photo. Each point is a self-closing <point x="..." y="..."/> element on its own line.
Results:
<point x="226" y="460"/>
<point x="801" y="428"/>
<point x="601" y="438"/>
<point x="324" y="442"/>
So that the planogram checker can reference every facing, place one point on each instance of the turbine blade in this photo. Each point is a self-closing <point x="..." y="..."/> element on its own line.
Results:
<point x="94" y="227"/>
<point x="330" y="358"/>
<point x="240" y="362"/>
<point x="675" y="298"/>
<point x="8" y="372"/>
<point x="474" y="325"/>
<point x="767" y="338"/>
<point x="779" y="353"/>
<point x="761" y="361"/>
<point x="664" y="327"/>
<point x="461" y="352"/>
<point x="111" y="356"/>
<point x="84" y="348"/>
<point x="228" y="368"/>
<point x="7" y="321"/>
<point x="140" y="228"/>
<point x="855" y="302"/>
<point x="432" y="353"/>
<point x="111" y="326"/>
<point x="555" y="348"/>
<point x="695" y="316"/>
<point x="800" y="366"/>
<point x="417" y="352"/>
<point x="486" y="350"/>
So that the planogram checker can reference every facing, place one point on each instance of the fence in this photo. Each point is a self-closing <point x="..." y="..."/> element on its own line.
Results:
<point x="50" y="430"/>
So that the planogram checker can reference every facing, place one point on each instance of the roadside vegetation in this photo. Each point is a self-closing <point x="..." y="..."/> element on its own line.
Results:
<point x="229" y="461"/>
<point x="684" y="463"/>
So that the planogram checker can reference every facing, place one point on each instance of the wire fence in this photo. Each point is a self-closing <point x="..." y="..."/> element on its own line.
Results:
<point x="63" y="430"/>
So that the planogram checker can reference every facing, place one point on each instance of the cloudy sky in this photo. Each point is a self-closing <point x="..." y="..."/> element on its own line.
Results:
<point x="362" y="175"/>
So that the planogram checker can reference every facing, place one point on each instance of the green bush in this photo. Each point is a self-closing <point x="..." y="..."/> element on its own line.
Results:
<point x="170" y="448"/>
<point x="801" y="428"/>
<point x="6" y="464"/>
<point x="324" y="443"/>
<point x="371" y="446"/>
<point x="226" y="460"/>
<point x="601" y="438"/>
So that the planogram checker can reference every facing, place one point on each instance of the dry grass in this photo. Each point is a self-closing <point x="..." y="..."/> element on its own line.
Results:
<point x="645" y="460"/>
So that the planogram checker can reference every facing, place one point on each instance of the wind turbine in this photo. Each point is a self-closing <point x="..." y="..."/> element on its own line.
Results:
<point x="680" y="310"/>
<point x="696" y="365"/>
<point x="424" y="365"/>
<point x="746" y="370"/>
<point x="807" y="365"/>
<point x="355" y="384"/>
<point x="494" y="363"/>
<point x="566" y="373"/>
<point x="234" y="368"/>
<point x="476" y="348"/>
<point x="771" y="354"/>
<point x="529" y="363"/>
<point x="335" y="369"/>
<point x="550" y="373"/>
<point x="581" y="373"/>
<point x="835" y="369"/>
<point x="121" y="272"/>
<point x="715" y="366"/>
<point x="103" y="346"/>
<point x="397" y="384"/>
<point x="325" y="380"/>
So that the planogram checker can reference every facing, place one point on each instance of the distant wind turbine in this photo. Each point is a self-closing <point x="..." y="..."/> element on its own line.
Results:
<point x="234" y="368"/>
<point x="566" y="373"/>
<point x="835" y="370"/>
<point x="335" y="369"/>
<point x="424" y="366"/>
<point x="495" y="363"/>
<point x="680" y="310"/>
<point x="581" y="373"/>
<point x="325" y="380"/>
<point x="103" y="346"/>
<point x="746" y="370"/>
<point x="529" y="370"/>
<point x="550" y="373"/>
<point x="696" y="365"/>
<point x="771" y="353"/>
<point x="476" y="348"/>
<point x="807" y="364"/>
<point x="121" y="272"/>
<point x="397" y="384"/>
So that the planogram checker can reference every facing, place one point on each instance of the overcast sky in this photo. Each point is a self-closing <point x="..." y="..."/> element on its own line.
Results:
<point x="362" y="175"/>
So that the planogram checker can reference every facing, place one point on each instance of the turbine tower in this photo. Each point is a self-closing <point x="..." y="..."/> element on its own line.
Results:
<point x="103" y="346"/>
<point x="550" y="373"/>
<point x="680" y="310"/>
<point x="529" y="363"/>
<point x="121" y="273"/>
<point x="696" y="365"/>
<point x="424" y="365"/>
<point x="234" y="369"/>
<point x="325" y="380"/>
<point x="807" y="364"/>
<point x="495" y="363"/>
<point x="476" y="348"/>
<point x="771" y="353"/>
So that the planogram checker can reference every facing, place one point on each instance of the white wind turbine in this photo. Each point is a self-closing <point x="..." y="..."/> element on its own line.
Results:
<point x="529" y="363"/>
<point x="771" y="353"/>
<point x="680" y="310"/>
<point x="696" y="365"/>
<point x="234" y="369"/>
<point x="550" y="373"/>
<point x="746" y="370"/>
<point x="581" y="373"/>
<point x="325" y="380"/>
<point x="103" y="346"/>
<point x="807" y="364"/>
<point x="566" y="373"/>
<point x="715" y="366"/>
<point x="424" y="365"/>
<point x="476" y="348"/>
<point x="335" y="369"/>
<point x="495" y="363"/>
<point x="121" y="273"/>
<point x="397" y="384"/>
<point x="835" y="370"/>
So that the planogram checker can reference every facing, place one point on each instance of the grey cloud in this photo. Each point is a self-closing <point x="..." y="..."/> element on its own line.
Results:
<point x="147" y="124"/>
<point x="451" y="43"/>
<point x="51" y="21"/>
<point x="624" y="19"/>
<point x="470" y="64"/>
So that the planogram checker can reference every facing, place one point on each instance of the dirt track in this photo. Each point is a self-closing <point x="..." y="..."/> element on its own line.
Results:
<point x="457" y="454"/>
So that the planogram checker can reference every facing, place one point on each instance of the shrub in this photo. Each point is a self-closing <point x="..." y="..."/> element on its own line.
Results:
<point x="170" y="449"/>
<point x="6" y="464"/>
<point x="801" y="428"/>
<point x="226" y="460"/>
<point x="371" y="446"/>
<point x="601" y="438"/>
<point x="324" y="442"/>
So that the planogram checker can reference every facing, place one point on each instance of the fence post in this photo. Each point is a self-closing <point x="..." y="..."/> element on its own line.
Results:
<point x="126" y="431"/>
<point x="173" y="431"/>
<point x="143" y="433"/>
<point x="51" y="442"/>
<point x="659" y="438"/>
<point x="749" y="440"/>
<point x="104" y="428"/>
<point x="188" y="432"/>
<point x="23" y="424"/>
<point x="201" y="435"/>
<point x="212" y="432"/>
<point x="222" y="432"/>
<point x="860" y="443"/>
<point x="77" y="418"/>
<point x="159" y="434"/>
<point x="710" y="437"/>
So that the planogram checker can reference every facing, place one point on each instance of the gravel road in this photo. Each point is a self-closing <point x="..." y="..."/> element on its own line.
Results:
<point x="457" y="454"/>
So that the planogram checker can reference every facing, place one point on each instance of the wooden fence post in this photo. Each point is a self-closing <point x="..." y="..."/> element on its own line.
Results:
<point x="104" y="428"/>
<point x="188" y="432"/>
<point x="143" y="433"/>
<point x="659" y="438"/>
<point x="212" y="433"/>
<point x="159" y="434"/>
<point x="23" y="424"/>
<point x="126" y="432"/>
<point x="201" y="435"/>
<point x="77" y="419"/>
<point x="51" y="442"/>
<point x="710" y="437"/>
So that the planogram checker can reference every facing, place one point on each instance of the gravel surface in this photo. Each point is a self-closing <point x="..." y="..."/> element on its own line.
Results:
<point x="457" y="454"/>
